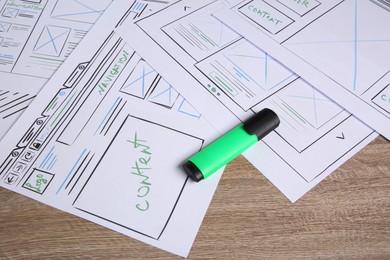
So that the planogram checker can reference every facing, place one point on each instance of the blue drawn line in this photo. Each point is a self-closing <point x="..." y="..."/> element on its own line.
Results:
<point x="355" y="43"/>
<point x="47" y="157"/>
<point x="6" y="56"/>
<point x="52" y="163"/>
<point x="79" y="30"/>
<point x="340" y="41"/>
<point x="9" y="12"/>
<point x="283" y="80"/>
<point x="314" y="99"/>
<point x="71" y="171"/>
<point x="92" y="11"/>
<point x="138" y="6"/>
<point x="72" y="14"/>
<point x="107" y="114"/>
<point x="241" y="73"/>
<point x="315" y="106"/>
<point x="52" y="40"/>
<point x="266" y="59"/>
<point x="266" y="68"/>
<point x="187" y="113"/>
<point x="86" y="6"/>
<point x="220" y="34"/>
<point x="169" y="90"/>
<point x="248" y="56"/>
<point x="355" y="49"/>
<point x="140" y="78"/>
<point x="143" y="81"/>
<point x="302" y="97"/>
<point x="2" y="26"/>
<point x="135" y="7"/>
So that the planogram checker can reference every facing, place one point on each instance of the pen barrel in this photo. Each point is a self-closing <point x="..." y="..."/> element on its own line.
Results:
<point x="217" y="154"/>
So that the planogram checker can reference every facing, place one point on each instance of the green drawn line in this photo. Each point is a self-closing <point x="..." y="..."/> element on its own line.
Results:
<point x="224" y="85"/>
<point x="35" y="57"/>
<point x="62" y="110"/>
<point x="292" y="111"/>
<point x="285" y="121"/>
<point x="52" y="104"/>
<point x="200" y="34"/>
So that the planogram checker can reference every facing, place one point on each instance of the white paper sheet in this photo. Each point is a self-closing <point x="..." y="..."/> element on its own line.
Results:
<point x="104" y="140"/>
<point x="14" y="102"/>
<point x="228" y="79"/>
<point x="37" y="36"/>
<point x="339" y="46"/>
<point x="40" y="35"/>
<point x="35" y="39"/>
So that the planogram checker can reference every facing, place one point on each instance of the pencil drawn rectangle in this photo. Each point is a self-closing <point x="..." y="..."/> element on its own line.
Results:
<point x="52" y="40"/>
<point x="10" y="12"/>
<point x="137" y="169"/>
<point x="266" y="16"/>
<point x="4" y="26"/>
<point x="38" y="181"/>
<point x="86" y="11"/>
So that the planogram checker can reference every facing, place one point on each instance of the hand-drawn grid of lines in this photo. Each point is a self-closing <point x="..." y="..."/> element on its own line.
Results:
<point x="85" y="11"/>
<point x="145" y="83"/>
<point x="13" y="103"/>
<point x="52" y="40"/>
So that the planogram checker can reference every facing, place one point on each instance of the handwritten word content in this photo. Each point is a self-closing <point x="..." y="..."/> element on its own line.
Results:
<point x="141" y="168"/>
<point x="264" y="14"/>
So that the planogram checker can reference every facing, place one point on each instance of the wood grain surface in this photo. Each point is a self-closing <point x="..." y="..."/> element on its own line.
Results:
<point x="346" y="216"/>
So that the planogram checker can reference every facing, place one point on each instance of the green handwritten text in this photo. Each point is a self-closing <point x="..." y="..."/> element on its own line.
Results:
<point x="112" y="73"/>
<point x="39" y="181"/>
<point x="264" y="14"/>
<point x="141" y="168"/>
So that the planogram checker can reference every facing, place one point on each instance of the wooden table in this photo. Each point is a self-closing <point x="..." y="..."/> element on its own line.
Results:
<point x="346" y="216"/>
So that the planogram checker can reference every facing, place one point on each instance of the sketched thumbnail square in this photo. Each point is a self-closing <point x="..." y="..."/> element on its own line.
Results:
<point x="85" y="11"/>
<point x="10" y="12"/>
<point x="163" y="94"/>
<point x="51" y="41"/>
<point x="137" y="183"/>
<point x="4" y="26"/>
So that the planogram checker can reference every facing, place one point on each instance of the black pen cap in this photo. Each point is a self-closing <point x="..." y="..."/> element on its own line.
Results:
<point x="262" y="123"/>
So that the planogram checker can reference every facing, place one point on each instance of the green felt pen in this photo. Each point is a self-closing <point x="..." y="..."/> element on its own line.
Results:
<point x="223" y="150"/>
